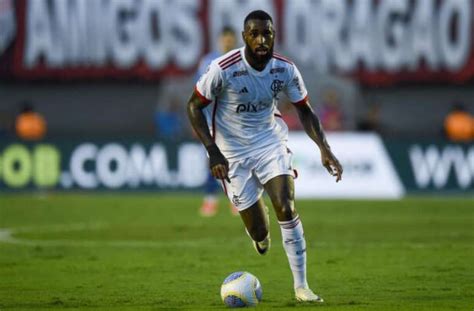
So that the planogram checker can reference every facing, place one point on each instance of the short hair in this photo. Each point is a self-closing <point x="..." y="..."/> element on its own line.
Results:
<point x="258" y="14"/>
<point x="227" y="30"/>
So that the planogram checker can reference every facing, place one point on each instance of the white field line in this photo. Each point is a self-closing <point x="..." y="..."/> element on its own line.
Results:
<point x="7" y="235"/>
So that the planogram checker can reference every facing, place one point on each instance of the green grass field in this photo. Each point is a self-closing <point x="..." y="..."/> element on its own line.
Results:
<point x="152" y="252"/>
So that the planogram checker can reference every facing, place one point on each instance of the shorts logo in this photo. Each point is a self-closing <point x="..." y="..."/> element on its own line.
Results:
<point x="277" y="86"/>
<point x="236" y="200"/>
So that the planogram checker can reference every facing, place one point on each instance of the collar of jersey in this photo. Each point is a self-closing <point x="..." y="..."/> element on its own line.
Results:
<point x="251" y="69"/>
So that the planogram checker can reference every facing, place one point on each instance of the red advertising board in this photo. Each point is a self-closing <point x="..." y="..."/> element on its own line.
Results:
<point x="376" y="42"/>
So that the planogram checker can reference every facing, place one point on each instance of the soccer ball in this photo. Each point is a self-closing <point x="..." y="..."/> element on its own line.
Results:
<point x="241" y="289"/>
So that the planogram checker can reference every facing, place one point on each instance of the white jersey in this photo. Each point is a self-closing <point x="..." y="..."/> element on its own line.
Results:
<point x="245" y="102"/>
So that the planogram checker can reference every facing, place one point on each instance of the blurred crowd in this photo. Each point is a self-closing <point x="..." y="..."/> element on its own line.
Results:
<point x="170" y="121"/>
<point x="458" y="124"/>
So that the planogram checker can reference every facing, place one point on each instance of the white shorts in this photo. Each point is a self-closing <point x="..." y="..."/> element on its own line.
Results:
<point x="247" y="176"/>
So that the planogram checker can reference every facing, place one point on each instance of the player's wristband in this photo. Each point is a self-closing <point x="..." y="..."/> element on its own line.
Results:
<point x="213" y="151"/>
<point x="215" y="155"/>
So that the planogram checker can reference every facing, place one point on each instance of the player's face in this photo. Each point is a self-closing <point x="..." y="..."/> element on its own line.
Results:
<point x="259" y="37"/>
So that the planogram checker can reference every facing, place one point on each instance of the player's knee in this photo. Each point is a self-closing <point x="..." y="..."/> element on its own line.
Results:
<point x="285" y="210"/>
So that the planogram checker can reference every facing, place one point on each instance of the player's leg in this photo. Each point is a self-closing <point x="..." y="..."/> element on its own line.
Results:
<point x="245" y="193"/>
<point x="256" y="223"/>
<point x="210" y="202"/>
<point x="281" y="192"/>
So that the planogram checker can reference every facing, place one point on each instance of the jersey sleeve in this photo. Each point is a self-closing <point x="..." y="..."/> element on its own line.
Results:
<point x="295" y="89"/>
<point x="210" y="83"/>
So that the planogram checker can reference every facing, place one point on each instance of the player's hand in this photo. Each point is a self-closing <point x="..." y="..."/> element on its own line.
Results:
<point x="218" y="163"/>
<point x="331" y="163"/>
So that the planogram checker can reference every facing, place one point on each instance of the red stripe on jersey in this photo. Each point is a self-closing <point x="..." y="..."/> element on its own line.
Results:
<point x="232" y="63"/>
<point x="224" y="186"/>
<point x="300" y="102"/>
<point x="203" y="98"/>
<point x="282" y="56"/>
<point x="228" y="58"/>
<point x="214" y="137"/>
<point x="283" y="59"/>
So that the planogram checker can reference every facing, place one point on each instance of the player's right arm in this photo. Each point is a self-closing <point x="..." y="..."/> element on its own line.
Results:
<point x="206" y="88"/>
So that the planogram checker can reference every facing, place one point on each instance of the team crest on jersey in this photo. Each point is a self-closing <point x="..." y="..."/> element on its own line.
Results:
<point x="277" y="86"/>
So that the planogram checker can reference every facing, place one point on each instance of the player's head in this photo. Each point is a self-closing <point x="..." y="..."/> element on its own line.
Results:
<point x="227" y="39"/>
<point x="259" y="35"/>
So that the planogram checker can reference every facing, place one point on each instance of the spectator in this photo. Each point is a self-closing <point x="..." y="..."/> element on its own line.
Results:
<point x="169" y="123"/>
<point x="459" y="124"/>
<point x="29" y="124"/>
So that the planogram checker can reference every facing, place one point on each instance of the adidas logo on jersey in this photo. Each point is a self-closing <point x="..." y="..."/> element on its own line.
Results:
<point x="243" y="90"/>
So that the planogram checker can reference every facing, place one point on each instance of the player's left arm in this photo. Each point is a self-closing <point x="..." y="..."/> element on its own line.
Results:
<point x="296" y="91"/>
<point x="314" y="129"/>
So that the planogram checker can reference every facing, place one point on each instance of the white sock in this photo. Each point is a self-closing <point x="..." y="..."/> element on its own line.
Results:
<point x="295" y="247"/>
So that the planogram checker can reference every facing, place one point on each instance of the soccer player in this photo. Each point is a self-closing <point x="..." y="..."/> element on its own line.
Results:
<point x="247" y="145"/>
<point x="227" y="42"/>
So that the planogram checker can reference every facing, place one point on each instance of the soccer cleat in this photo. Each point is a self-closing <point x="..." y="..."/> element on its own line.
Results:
<point x="208" y="208"/>
<point x="307" y="295"/>
<point x="262" y="247"/>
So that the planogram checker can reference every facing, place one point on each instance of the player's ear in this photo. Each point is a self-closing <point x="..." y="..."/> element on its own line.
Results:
<point x="243" y="35"/>
<point x="273" y="31"/>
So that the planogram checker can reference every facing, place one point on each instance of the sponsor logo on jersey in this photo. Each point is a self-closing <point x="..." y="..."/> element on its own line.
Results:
<point x="277" y="70"/>
<point x="240" y="73"/>
<point x="249" y="107"/>
<point x="277" y="86"/>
